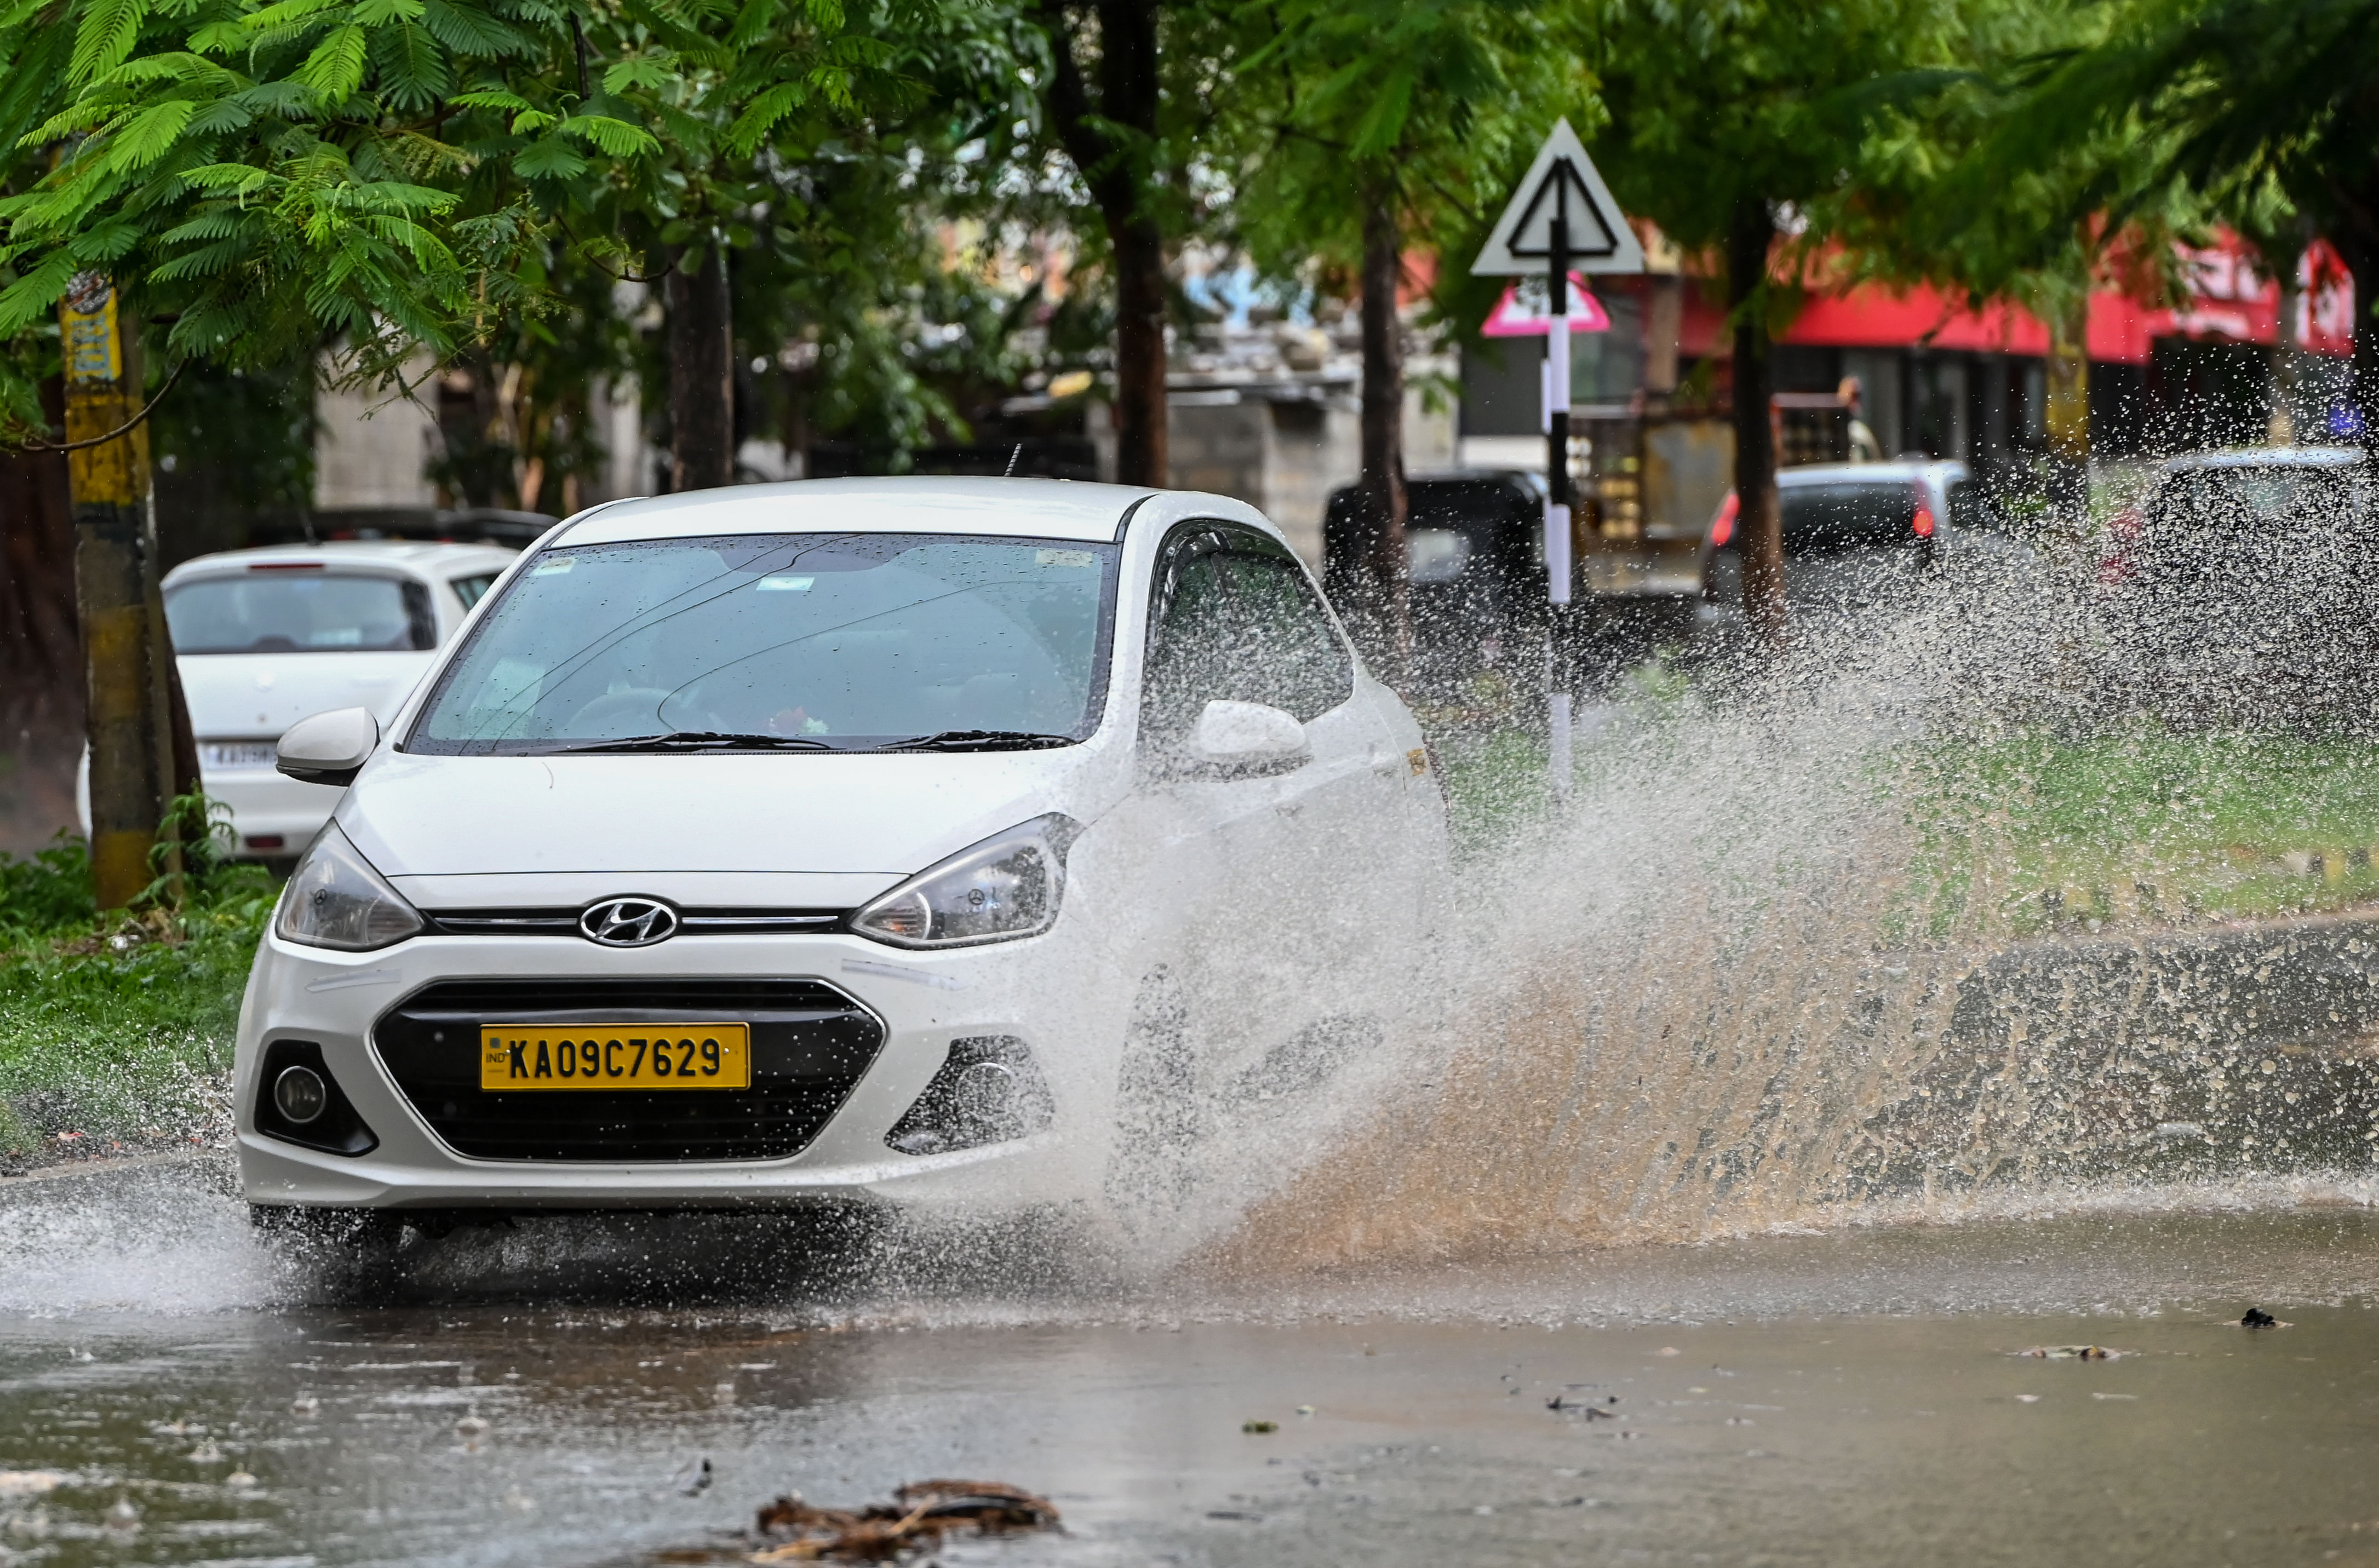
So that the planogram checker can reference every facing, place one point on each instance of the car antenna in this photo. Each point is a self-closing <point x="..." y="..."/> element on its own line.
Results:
<point x="1013" y="459"/>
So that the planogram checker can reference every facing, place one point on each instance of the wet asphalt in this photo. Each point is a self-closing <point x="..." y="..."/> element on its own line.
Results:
<point x="172" y="1393"/>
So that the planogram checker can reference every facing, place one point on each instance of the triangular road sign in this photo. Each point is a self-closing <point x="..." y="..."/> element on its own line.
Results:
<point x="1521" y="312"/>
<point x="1564" y="185"/>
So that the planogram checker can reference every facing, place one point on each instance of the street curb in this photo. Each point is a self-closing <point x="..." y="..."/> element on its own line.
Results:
<point x="69" y="1169"/>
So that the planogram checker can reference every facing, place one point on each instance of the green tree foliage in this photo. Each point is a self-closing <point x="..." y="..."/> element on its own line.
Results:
<point x="1372" y="129"/>
<point x="2230" y="95"/>
<point x="403" y="175"/>
<point x="1733" y="125"/>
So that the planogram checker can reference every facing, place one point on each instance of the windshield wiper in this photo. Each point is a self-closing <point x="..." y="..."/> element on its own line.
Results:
<point x="701" y="740"/>
<point x="979" y="741"/>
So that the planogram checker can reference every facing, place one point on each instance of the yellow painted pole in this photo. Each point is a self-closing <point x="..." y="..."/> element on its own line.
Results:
<point x="115" y="593"/>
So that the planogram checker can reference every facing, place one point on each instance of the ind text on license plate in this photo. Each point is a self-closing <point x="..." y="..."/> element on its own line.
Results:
<point x="628" y="1056"/>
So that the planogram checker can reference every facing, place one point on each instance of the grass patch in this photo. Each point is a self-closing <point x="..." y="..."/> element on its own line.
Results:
<point x="117" y="1026"/>
<point x="2032" y="833"/>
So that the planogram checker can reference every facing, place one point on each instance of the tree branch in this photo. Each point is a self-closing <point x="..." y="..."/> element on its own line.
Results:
<point x="121" y="430"/>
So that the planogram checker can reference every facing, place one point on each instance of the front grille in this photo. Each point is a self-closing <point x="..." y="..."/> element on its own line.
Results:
<point x="691" y="922"/>
<point x="810" y="1046"/>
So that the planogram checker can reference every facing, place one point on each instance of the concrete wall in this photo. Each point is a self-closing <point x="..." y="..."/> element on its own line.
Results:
<point x="1282" y="456"/>
<point x="372" y="448"/>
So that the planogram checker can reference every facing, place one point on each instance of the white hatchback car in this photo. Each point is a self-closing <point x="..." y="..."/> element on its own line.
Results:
<point x="265" y="637"/>
<point x="899" y="841"/>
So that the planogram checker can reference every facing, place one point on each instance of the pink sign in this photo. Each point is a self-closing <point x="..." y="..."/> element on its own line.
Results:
<point x="1516" y="318"/>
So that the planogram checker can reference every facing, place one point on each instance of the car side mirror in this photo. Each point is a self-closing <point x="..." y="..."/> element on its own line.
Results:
<point x="330" y="748"/>
<point x="1239" y="740"/>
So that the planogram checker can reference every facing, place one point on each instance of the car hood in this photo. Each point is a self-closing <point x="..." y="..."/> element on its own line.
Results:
<point x="802" y="812"/>
<point x="256" y="696"/>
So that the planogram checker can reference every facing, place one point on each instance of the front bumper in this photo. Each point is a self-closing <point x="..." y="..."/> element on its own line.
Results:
<point x="924" y="1002"/>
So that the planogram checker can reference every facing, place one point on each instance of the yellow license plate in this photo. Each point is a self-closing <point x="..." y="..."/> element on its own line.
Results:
<point x="625" y="1056"/>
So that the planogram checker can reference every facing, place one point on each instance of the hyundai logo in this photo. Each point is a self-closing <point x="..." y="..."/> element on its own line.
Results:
<point x="628" y="922"/>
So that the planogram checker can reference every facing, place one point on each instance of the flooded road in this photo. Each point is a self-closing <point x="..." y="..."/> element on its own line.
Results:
<point x="168" y="1395"/>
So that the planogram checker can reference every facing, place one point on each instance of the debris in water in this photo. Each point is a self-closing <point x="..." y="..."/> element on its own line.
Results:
<point x="920" y="1514"/>
<point x="1668" y="1350"/>
<point x="2257" y="1318"/>
<point x="471" y="1428"/>
<point x="2027" y="1399"/>
<point x="206" y="1453"/>
<point x="122" y="1517"/>
<point x="1259" y="1427"/>
<point x="2074" y="1353"/>
<point x="305" y="1408"/>
<point x="1592" y="1409"/>
<point x="240" y="1481"/>
<point x="1305" y="1409"/>
<point x="695" y="1479"/>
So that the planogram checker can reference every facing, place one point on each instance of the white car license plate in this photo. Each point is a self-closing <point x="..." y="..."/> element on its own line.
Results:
<point x="231" y="756"/>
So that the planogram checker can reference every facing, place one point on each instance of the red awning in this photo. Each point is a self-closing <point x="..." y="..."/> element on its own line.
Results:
<point x="2229" y="303"/>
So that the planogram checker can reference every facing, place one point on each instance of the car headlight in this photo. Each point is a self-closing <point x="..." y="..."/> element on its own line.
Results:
<point x="336" y="899"/>
<point x="1004" y="888"/>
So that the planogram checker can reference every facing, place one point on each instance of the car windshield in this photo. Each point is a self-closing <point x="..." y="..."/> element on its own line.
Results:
<point x="2251" y="498"/>
<point x="1823" y="518"/>
<point x="815" y="641"/>
<point x="286" y="610"/>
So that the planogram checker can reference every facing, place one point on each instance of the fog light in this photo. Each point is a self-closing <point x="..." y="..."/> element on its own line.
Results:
<point x="988" y="1091"/>
<point x="298" y="1095"/>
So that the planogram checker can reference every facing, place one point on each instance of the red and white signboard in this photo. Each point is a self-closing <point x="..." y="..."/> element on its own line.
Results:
<point x="1521" y="312"/>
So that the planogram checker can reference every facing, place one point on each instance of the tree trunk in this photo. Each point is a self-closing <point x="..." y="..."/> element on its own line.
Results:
<point x="2361" y="253"/>
<point x="701" y="373"/>
<point x="2287" y="368"/>
<point x="1758" y="521"/>
<point x="1139" y="414"/>
<point x="2069" y="415"/>
<point x="1112" y="145"/>
<point x="41" y="655"/>
<point x="1381" y="566"/>
<point x="127" y="689"/>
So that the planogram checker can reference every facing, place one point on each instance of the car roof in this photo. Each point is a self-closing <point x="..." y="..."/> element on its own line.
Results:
<point x="425" y="559"/>
<point x="1060" y="509"/>
<point x="1905" y="471"/>
<point x="2265" y="457"/>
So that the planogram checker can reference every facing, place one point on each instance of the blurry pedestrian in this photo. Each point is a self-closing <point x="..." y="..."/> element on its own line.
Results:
<point x="1864" y="448"/>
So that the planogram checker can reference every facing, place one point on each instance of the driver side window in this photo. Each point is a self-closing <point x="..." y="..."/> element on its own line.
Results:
<point x="1234" y="617"/>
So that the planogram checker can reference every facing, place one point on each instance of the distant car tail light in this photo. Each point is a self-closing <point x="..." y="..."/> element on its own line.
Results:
<point x="2124" y="532"/>
<point x="1722" y="525"/>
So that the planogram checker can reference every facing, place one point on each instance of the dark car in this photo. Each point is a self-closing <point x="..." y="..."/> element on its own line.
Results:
<point x="2237" y="591"/>
<point x="1862" y="535"/>
<point x="1474" y="546"/>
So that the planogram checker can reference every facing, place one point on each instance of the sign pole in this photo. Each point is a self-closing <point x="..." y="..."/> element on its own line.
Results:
<point x="1557" y="505"/>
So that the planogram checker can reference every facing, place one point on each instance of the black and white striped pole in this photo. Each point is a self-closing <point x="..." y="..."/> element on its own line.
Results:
<point x="1558" y="565"/>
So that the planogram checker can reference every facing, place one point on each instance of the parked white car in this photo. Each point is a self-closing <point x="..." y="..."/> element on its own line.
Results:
<point x="899" y="841"/>
<point x="266" y="637"/>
